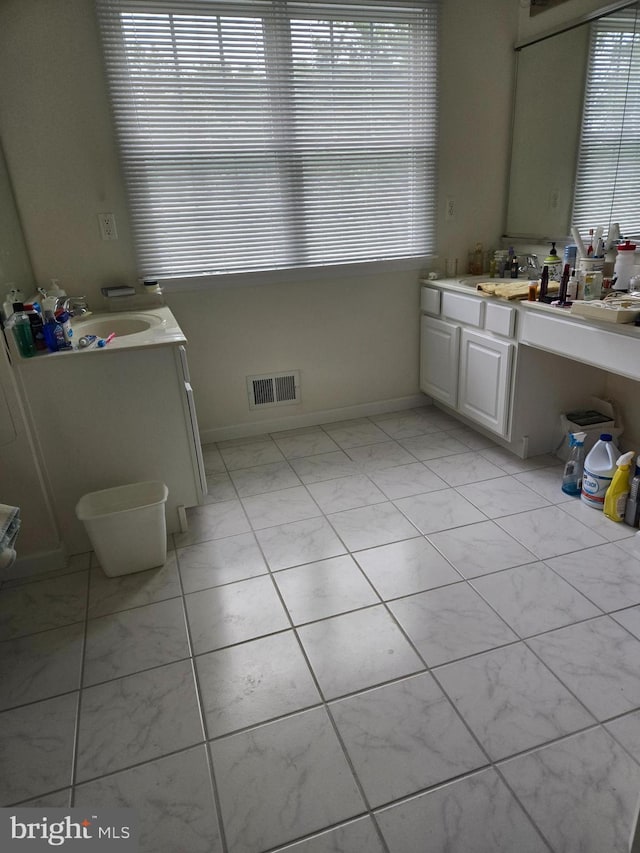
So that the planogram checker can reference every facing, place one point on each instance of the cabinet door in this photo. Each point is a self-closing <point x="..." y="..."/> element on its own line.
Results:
<point x="485" y="379"/>
<point x="439" y="348"/>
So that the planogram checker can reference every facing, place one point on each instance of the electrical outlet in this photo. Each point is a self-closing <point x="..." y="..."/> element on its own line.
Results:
<point x="108" y="230"/>
<point x="450" y="209"/>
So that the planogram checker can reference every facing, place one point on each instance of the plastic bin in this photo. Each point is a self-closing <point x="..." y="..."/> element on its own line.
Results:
<point x="126" y="526"/>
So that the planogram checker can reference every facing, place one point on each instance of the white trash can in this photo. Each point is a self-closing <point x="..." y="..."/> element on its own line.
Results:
<point x="126" y="526"/>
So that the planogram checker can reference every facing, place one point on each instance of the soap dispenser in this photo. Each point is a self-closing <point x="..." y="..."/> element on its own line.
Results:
<point x="554" y="262"/>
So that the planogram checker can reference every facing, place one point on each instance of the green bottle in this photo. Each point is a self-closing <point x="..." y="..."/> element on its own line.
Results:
<point x="22" y="331"/>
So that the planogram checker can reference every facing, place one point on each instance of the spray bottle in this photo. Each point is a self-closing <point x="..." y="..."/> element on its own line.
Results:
<point x="632" y="511"/>
<point x="572" y="476"/>
<point x="615" y="500"/>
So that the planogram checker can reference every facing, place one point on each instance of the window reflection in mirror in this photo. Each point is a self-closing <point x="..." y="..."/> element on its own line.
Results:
<point x="548" y="115"/>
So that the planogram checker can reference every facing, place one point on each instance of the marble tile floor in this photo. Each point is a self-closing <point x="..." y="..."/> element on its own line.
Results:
<point x="388" y="635"/>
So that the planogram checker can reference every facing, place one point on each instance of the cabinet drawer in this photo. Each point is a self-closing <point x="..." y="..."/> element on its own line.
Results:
<point x="430" y="300"/>
<point x="466" y="309"/>
<point x="500" y="319"/>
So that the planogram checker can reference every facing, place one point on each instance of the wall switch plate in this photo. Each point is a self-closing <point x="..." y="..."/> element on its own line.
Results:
<point x="450" y="209"/>
<point x="108" y="230"/>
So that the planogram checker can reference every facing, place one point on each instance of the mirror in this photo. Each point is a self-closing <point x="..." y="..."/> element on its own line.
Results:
<point x="546" y="134"/>
<point x="15" y="265"/>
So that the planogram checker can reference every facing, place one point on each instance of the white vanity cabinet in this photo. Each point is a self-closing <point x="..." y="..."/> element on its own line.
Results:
<point x="109" y="417"/>
<point x="439" y="357"/>
<point x="463" y="367"/>
<point x="476" y="360"/>
<point x="485" y="379"/>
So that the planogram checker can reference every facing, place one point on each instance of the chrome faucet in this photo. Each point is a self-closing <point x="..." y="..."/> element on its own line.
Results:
<point x="531" y="267"/>
<point x="76" y="306"/>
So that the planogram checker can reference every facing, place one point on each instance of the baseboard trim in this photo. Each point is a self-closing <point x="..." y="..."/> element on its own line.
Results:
<point x="35" y="564"/>
<point x="325" y="416"/>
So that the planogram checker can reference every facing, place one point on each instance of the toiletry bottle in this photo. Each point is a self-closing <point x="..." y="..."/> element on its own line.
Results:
<point x="37" y="326"/>
<point x="572" y="475"/>
<point x="544" y="284"/>
<point x="514" y="267"/>
<point x="625" y="262"/>
<point x="13" y="295"/>
<point x="615" y="500"/>
<point x="53" y="333"/>
<point x="599" y="468"/>
<point x="572" y="286"/>
<point x="22" y="331"/>
<point x="64" y="318"/>
<point x="632" y="510"/>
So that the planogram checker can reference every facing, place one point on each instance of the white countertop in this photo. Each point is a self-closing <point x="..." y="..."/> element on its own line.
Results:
<point x="163" y="331"/>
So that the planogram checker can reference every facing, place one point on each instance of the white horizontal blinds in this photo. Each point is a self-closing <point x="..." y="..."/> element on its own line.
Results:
<point x="266" y="135"/>
<point x="608" y="172"/>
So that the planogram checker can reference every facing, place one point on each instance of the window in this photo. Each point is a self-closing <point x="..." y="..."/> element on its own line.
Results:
<point x="266" y="134"/>
<point x="608" y="174"/>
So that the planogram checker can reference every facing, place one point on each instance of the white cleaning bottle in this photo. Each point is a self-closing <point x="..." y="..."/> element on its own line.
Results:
<point x="615" y="501"/>
<point x="599" y="468"/>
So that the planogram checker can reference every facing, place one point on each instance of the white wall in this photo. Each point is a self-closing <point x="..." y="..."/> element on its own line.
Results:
<point x="354" y="338"/>
<point x="531" y="26"/>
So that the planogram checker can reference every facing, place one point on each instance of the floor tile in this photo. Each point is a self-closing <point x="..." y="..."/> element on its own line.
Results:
<point x="40" y="665"/>
<point x="355" y="433"/>
<point x="107" y="595"/>
<point x="629" y="619"/>
<point x="219" y="488"/>
<point x="404" y="737"/>
<point x="233" y="613"/>
<point x="630" y="545"/>
<point x="610" y="578"/>
<point x="403" y="568"/>
<point x="439" y="511"/>
<point x="254" y="682"/>
<point x="55" y="800"/>
<point x="280" y="507"/>
<point x="172" y="798"/>
<point x="473" y="815"/>
<point x="513" y="464"/>
<point x="213" y="463"/>
<point x="407" y="480"/>
<point x="597" y="660"/>
<point x="511" y="701"/>
<point x="213" y="521"/>
<point x="137" y="718"/>
<point x="220" y="561"/>
<point x="548" y="534"/>
<point x="464" y="468"/>
<point x="304" y="443"/>
<point x="264" y="478"/>
<point x="326" y="588"/>
<point x="533" y="599"/>
<point x="283" y="780"/>
<point x="433" y="445"/>
<point x="345" y="493"/>
<point x="504" y="496"/>
<point x="357" y="650"/>
<point x="474" y="440"/>
<point x="450" y="622"/>
<point x="369" y="526"/>
<point x="300" y="542"/>
<point x="27" y="735"/>
<point x="403" y="424"/>
<point x="133" y="640"/>
<point x="626" y="730"/>
<point x="375" y="457"/>
<point x="546" y="482"/>
<point x="597" y="521"/>
<point x="581" y="792"/>
<point x="324" y="466"/>
<point x="479" y="549"/>
<point x="435" y="417"/>
<point x="250" y="454"/>
<point x="42" y="605"/>
<point x="355" y="837"/>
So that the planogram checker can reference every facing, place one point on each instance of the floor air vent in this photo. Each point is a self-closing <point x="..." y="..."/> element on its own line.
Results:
<point x="274" y="389"/>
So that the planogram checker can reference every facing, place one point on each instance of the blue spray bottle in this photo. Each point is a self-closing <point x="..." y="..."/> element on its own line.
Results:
<point x="573" y="469"/>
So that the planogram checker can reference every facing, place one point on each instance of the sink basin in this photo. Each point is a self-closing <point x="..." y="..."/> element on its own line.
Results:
<point x="127" y="323"/>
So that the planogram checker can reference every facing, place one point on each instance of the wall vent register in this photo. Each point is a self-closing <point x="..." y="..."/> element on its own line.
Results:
<point x="274" y="389"/>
